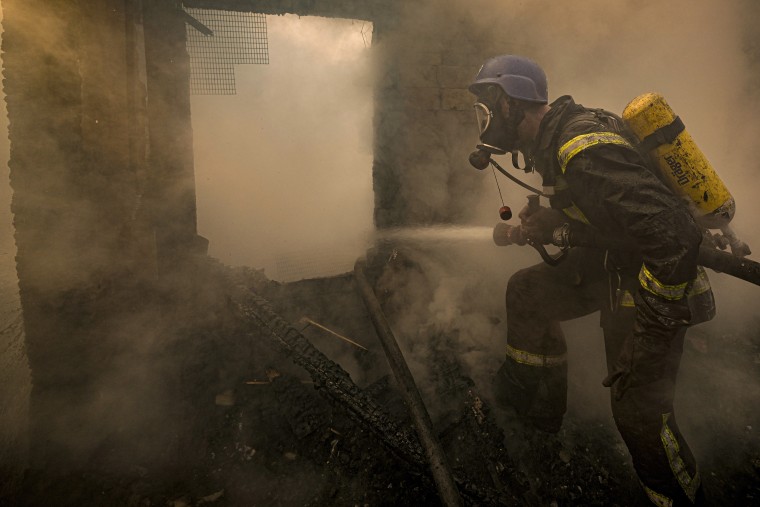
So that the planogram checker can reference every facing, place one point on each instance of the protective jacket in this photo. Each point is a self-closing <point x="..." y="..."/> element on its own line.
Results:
<point x="599" y="177"/>
<point x="593" y="166"/>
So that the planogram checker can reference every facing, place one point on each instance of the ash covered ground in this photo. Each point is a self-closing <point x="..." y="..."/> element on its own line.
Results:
<point x="260" y="429"/>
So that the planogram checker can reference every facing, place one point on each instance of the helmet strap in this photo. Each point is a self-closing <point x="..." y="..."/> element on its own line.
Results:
<point x="530" y="164"/>
<point x="516" y="113"/>
<point x="516" y="116"/>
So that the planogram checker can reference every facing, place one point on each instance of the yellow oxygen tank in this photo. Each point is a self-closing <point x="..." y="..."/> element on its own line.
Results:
<point x="680" y="161"/>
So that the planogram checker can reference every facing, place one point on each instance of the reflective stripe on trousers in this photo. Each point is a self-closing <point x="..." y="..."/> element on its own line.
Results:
<point x="531" y="359"/>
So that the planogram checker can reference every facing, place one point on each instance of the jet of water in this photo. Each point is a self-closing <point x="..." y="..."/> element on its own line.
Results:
<point x="436" y="233"/>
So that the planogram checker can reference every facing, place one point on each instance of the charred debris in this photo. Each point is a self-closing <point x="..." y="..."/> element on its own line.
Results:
<point x="268" y="414"/>
<point x="293" y="412"/>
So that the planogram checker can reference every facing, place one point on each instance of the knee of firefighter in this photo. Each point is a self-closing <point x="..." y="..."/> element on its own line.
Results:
<point x="523" y="289"/>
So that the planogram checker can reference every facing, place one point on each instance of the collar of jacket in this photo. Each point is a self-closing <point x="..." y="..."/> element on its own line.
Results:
<point x="544" y="152"/>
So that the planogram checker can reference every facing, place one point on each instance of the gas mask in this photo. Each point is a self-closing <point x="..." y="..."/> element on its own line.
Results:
<point x="498" y="134"/>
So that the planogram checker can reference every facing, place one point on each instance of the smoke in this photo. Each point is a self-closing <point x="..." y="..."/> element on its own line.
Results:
<point x="283" y="168"/>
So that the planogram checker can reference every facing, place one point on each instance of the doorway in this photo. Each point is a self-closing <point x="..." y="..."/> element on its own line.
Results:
<point x="284" y="167"/>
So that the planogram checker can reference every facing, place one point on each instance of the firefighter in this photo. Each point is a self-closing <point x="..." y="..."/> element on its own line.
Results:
<point x="595" y="173"/>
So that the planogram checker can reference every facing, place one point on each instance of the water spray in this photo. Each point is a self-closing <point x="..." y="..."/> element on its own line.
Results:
<point x="437" y="233"/>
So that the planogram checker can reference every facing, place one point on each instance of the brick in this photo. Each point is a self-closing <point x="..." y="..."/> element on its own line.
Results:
<point x="422" y="57"/>
<point x="427" y="99"/>
<point x="463" y="58"/>
<point x="455" y="76"/>
<point x="458" y="99"/>
<point x="416" y="75"/>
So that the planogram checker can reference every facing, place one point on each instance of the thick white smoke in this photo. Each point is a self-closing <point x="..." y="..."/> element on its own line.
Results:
<point x="284" y="168"/>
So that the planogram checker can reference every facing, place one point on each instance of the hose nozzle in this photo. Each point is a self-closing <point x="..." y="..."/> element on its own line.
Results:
<point x="505" y="234"/>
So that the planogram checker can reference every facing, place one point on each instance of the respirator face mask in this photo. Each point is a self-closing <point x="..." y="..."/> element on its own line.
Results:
<point x="498" y="135"/>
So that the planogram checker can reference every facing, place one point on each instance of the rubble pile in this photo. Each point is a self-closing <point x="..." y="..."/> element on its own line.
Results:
<point x="274" y="418"/>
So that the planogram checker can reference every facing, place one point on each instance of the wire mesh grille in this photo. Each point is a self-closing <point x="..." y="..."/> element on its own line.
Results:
<point x="238" y="38"/>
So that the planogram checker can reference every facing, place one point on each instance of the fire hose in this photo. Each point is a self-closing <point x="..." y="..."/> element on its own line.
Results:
<point x="577" y="235"/>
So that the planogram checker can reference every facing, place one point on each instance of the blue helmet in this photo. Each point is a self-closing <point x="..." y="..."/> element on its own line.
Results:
<point x="521" y="78"/>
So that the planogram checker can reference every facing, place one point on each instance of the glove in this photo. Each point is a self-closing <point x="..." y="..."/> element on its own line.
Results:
<point x="539" y="224"/>
<point x="645" y="357"/>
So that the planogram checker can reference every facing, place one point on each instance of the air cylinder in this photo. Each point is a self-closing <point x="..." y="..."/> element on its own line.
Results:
<point x="681" y="163"/>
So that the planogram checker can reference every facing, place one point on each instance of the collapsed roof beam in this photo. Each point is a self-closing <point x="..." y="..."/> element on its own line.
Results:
<point x="208" y="32"/>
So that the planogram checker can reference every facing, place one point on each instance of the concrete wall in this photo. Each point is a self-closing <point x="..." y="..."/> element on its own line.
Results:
<point x="67" y="171"/>
<point x="14" y="369"/>
<point x="424" y="124"/>
<point x="93" y="225"/>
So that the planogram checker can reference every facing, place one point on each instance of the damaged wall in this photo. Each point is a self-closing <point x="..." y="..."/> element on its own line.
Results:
<point x="14" y="369"/>
<point x="50" y="210"/>
<point x="91" y="224"/>
<point x="66" y="190"/>
<point x="423" y="115"/>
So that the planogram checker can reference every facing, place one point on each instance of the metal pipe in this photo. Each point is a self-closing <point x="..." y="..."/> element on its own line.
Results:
<point x="442" y="474"/>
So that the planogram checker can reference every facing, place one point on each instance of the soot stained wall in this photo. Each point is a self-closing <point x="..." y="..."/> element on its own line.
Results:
<point x="92" y="224"/>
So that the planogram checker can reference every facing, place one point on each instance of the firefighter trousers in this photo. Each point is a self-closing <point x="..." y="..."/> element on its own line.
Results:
<point x="533" y="379"/>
